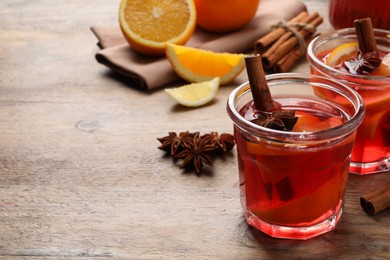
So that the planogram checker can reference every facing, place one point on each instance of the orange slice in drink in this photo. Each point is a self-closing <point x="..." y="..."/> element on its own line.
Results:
<point x="306" y="208"/>
<point x="197" y="65"/>
<point x="342" y="53"/>
<point x="148" y="25"/>
<point x="384" y="68"/>
<point x="377" y="103"/>
<point x="309" y="123"/>
<point x="281" y="149"/>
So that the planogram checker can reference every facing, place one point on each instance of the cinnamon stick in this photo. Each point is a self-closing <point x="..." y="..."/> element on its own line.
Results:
<point x="365" y="35"/>
<point x="277" y="33"/>
<point x="270" y="58"/>
<point x="260" y="91"/>
<point x="274" y="48"/>
<point x="306" y="19"/>
<point x="284" y="64"/>
<point x="376" y="201"/>
<point x="287" y="34"/>
<point x="284" y="36"/>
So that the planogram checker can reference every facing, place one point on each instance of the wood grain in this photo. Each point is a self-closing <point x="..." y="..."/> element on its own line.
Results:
<point x="80" y="173"/>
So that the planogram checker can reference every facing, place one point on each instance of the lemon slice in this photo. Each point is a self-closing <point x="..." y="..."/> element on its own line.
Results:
<point x="195" y="94"/>
<point x="197" y="65"/>
<point x="342" y="53"/>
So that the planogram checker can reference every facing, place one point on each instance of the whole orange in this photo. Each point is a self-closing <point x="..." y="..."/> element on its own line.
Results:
<point x="225" y="15"/>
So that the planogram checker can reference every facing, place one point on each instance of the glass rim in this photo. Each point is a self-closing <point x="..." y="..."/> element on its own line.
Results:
<point x="334" y="132"/>
<point x="331" y="35"/>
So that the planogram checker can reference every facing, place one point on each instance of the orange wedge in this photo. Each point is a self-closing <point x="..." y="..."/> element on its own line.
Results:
<point x="196" y="65"/>
<point x="342" y="53"/>
<point x="148" y="25"/>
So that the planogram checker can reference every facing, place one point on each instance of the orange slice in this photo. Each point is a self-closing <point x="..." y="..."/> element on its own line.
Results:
<point x="279" y="149"/>
<point x="313" y="205"/>
<point x="377" y="103"/>
<point x="384" y="68"/>
<point x="309" y="123"/>
<point x="342" y="53"/>
<point x="148" y="25"/>
<point x="196" y="65"/>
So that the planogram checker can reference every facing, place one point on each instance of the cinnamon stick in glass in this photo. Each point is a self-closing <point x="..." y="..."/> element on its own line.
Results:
<point x="376" y="201"/>
<point x="260" y="91"/>
<point x="365" y="35"/>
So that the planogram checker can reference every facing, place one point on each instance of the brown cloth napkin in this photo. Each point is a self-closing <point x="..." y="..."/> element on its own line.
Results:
<point x="150" y="73"/>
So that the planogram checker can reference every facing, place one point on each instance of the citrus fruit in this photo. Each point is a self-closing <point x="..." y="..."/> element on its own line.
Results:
<point x="195" y="94"/>
<point x="197" y="65"/>
<point x="342" y="53"/>
<point x="148" y="25"/>
<point x="225" y="15"/>
<point x="384" y="68"/>
<point x="310" y="123"/>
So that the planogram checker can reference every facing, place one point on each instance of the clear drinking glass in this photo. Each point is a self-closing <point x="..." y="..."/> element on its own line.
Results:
<point x="371" y="153"/>
<point x="292" y="184"/>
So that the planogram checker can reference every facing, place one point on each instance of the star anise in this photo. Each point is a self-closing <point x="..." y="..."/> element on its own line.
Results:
<point x="279" y="120"/>
<point x="223" y="142"/>
<point x="174" y="143"/>
<point x="362" y="63"/>
<point x="196" y="153"/>
<point x="195" y="149"/>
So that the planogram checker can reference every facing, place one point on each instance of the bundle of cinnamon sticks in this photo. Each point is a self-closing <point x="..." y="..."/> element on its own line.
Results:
<point x="286" y="43"/>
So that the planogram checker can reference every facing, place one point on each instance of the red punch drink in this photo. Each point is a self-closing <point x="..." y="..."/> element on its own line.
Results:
<point x="292" y="183"/>
<point x="342" y="13"/>
<point x="371" y="152"/>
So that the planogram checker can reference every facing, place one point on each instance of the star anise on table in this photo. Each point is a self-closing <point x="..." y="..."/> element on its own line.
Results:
<point x="195" y="149"/>
<point x="196" y="153"/>
<point x="173" y="143"/>
<point x="223" y="142"/>
<point x="279" y="120"/>
<point x="362" y="63"/>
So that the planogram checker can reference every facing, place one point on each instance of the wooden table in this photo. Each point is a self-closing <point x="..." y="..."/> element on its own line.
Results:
<point x="80" y="173"/>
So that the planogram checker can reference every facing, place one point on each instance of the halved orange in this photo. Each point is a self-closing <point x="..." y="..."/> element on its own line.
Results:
<point x="342" y="53"/>
<point x="197" y="65"/>
<point x="148" y="25"/>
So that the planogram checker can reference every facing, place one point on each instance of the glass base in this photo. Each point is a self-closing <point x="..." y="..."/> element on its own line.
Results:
<point x="301" y="233"/>
<point x="369" y="168"/>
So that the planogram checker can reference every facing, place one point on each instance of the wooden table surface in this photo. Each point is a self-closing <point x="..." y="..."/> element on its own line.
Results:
<point x="80" y="173"/>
